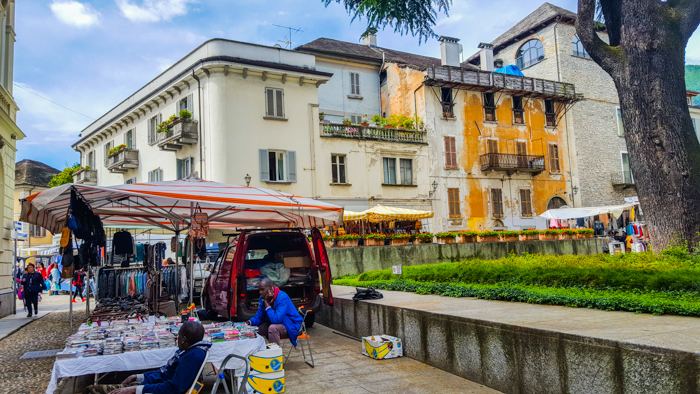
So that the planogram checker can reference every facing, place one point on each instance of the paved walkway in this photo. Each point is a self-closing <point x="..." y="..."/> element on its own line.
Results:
<point x="59" y="303"/>
<point x="673" y="332"/>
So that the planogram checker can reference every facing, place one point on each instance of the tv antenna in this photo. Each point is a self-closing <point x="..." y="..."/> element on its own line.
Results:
<point x="288" y="39"/>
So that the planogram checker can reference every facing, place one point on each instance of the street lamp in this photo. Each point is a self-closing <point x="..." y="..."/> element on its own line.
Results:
<point x="435" y="186"/>
<point x="247" y="179"/>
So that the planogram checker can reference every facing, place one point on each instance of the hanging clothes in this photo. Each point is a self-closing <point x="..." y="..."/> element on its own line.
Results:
<point x="122" y="242"/>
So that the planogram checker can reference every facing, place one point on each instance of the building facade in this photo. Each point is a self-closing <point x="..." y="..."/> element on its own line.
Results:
<point x="31" y="177"/>
<point x="9" y="135"/>
<point x="545" y="45"/>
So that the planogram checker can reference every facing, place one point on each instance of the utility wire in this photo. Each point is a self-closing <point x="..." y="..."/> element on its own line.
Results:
<point x="52" y="102"/>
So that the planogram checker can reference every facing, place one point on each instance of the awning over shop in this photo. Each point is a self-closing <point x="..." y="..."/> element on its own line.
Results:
<point x="350" y="215"/>
<point x="575" y="213"/>
<point x="382" y="213"/>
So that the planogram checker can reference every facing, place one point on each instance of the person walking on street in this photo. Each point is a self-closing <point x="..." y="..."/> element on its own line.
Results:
<point x="43" y="271"/>
<point x="78" y="282"/>
<point x="33" y="284"/>
<point x="55" y="277"/>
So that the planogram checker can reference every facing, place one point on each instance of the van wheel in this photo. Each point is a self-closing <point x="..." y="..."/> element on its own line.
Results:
<point x="310" y="319"/>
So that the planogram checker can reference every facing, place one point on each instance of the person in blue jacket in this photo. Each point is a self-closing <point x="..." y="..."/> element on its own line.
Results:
<point x="177" y="376"/>
<point x="276" y="317"/>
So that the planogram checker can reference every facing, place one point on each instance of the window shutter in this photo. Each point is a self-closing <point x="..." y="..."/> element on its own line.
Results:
<point x="264" y="165"/>
<point x="357" y="84"/>
<point x="191" y="166"/>
<point x="280" y="103"/>
<point x="292" y="166"/>
<point x="269" y="102"/>
<point x="352" y="83"/>
<point x="190" y="102"/>
<point x="179" y="165"/>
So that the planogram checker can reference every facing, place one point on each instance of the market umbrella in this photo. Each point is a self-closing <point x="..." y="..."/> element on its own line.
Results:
<point x="381" y="213"/>
<point x="574" y="213"/>
<point x="350" y="215"/>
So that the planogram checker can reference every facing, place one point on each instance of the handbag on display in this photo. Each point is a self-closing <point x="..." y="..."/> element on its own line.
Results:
<point x="65" y="237"/>
<point x="199" y="227"/>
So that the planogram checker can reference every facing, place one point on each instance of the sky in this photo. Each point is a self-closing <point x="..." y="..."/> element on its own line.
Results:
<point x="76" y="59"/>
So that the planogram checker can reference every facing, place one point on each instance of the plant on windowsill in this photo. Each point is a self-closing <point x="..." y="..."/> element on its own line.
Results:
<point x="584" y="233"/>
<point x="374" y="239"/>
<point x="466" y="236"/>
<point x="549" y="234"/>
<point x="425" y="238"/>
<point x="347" y="240"/>
<point x="346" y="121"/>
<point x="448" y="237"/>
<point x="321" y="116"/>
<point x="529" y="235"/>
<point x="400" y="239"/>
<point x="509" y="236"/>
<point x="489" y="236"/>
<point x="365" y="120"/>
<point x="377" y="120"/>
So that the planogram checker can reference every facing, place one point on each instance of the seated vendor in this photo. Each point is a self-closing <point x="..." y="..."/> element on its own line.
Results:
<point x="175" y="377"/>
<point x="276" y="317"/>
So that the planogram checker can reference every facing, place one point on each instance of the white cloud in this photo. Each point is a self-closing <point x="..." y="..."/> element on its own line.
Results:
<point x="153" y="10"/>
<point x="74" y="13"/>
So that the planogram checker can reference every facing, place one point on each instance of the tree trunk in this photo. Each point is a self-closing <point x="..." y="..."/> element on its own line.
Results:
<point x="664" y="152"/>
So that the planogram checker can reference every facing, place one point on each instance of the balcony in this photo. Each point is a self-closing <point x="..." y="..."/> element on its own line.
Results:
<point x="123" y="161"/>
<point x="512" y="163"/>
<point x="622" y="180"/>
<point x="85" y="176"/>
<point x="373" y="133"/>
<point x="180" y="133"/>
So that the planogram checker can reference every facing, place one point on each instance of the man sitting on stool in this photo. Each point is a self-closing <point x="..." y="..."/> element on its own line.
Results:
<point x="276" y="317"/>
<point x="176" y="377"/>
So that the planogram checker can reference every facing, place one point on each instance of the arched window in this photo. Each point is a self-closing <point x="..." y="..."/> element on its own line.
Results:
<point x="578" y="48"/>
<point x="531" y="53"/>
<point x="556" y="203"/>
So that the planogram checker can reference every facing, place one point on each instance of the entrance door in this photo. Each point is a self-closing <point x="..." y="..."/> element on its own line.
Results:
<point x="323" y="266"/>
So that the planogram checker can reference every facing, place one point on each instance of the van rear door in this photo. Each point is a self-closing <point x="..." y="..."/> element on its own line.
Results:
<point x="321" y="263"/>
<point x="221" y="293"/>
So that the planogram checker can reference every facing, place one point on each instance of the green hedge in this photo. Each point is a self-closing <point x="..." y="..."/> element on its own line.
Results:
<point x="672" y="303"/>
<point x="641" y="271"/>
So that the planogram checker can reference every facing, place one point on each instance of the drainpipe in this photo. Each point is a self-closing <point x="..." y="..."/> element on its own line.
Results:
<point x="199" y="124"/>
<point x="312" y="145"/>
<point x="568" y="143"/>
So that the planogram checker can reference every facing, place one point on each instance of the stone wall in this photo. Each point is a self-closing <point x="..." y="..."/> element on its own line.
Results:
<point x="354" y="261"/>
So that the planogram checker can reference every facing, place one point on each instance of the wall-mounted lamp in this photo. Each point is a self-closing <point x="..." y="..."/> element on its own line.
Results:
<point x="247" y="180"/>
<point x="574" y="190"/>
<point x="435" y="186"/>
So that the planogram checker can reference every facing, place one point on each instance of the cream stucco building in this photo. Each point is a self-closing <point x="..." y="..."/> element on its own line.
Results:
<point x="32" y="177"/>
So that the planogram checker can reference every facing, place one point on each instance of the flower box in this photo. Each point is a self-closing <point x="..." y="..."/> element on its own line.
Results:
<point x="329" y="243"/>
<point x="567" y="236"/>
<point x="347" y="243"/>
<point x="548" y="237"/>
<point x="374" y="242"/>
<point x="583" y="236"/>
<point x="488" y="238"/>
<point x="400" y="241"/>
<point x="509" y="238"/>
<point x="424" y="240"/>
<point x="447" y="240"/>
<point x="466" y="239"/>
<point x="529" y="237"/>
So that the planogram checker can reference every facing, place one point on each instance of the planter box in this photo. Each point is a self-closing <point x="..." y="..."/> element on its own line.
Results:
<point x="329" y="243"/>
<point x="400" y="241"/>
<point x="425" y="240"/>
<point x="531" y="237"/>
<point x="510" y="238"/>
<point x="583" y="236"/>
<point x="491" y="238"/>
<point x="347" y="243"/>
<point x="374" y="242"/>
<point x="567" y="236"/>
<point x="447" y="240"/>
<point x="548" y="237"/>
<point x="466" y="239"/>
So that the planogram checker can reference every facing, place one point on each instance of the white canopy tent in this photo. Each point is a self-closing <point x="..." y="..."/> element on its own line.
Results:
<point x="575" y="213"/>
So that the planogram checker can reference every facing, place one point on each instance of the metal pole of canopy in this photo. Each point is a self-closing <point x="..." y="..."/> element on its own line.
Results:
<point x="177" y="273"/>
<point x="70" y="302"/>
<point x="191" y="256"/>
<point x="87" y="295"/>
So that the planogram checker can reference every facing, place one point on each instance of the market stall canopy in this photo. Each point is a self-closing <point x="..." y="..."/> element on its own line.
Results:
<point x="382" y="213"/>
<point x="350" y="215"/>
<point x="575" y="213"/>
<point x="168" y="205"/>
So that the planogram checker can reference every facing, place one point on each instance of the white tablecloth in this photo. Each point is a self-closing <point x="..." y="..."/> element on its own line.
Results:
<point x="149" y="359"/>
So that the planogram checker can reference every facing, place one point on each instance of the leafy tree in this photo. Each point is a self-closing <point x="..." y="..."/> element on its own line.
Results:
<point x="65" y="176"/>
<point x="645" y="57"/>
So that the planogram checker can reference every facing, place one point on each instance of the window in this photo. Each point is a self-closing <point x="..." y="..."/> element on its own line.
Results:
<point x="355" y="119"/>
<point x="450" y="153"/>
<point x="38" y="231"/>
<point x="626" y="172"/>
<point x="152" y="128"/>
<point x="521" y="151"/>
<point x="186" y="104"/>
<point x="550" y="114"/>
<point x="531" y="53"/>
<point x="184" y="167"/>
<point x="525" y="203"/>
<point x="389" y="171"/>
<point x="518" y="111"/>
<point x="453" y="202"/>
<point x="492" y="146"/>
<point x="338" y="168"/>
<point x="406" y="166"/>
<point x="109" y="145"/>
<point x="577" y="46"/>
<point x="355" y="83"/>
<point x="489" y="107"/>
<point x="554" y="158"/>
<point x="130" y="181"/>
<point x="497" y="203"/>
<point x="446" y="101"/>
<point x="620" y="126"/>
<point x="91" y="159"/>
<point x="129" y="139"/>
<point x="556" y="203"/>
<point x="155" y="175"/>
<point x="274" y="103"/>
<point x="278" y="166"/>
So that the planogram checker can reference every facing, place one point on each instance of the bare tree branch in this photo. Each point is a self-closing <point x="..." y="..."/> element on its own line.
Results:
<point x="600" y="51"/>
<point x="690" y="14"/>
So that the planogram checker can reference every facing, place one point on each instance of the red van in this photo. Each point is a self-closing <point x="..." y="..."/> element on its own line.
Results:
<point x="227" y="293"/>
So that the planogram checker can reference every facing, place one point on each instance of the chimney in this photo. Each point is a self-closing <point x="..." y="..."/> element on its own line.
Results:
<point x="370" y="40"/>
<point x="449" y="51"/>
<point x="486" y="56"/>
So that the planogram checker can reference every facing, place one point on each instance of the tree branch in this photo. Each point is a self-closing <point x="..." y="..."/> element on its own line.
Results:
<point x="612" y="14"/>
<point x="600" y="51"/>
<point x="690" y="16"/>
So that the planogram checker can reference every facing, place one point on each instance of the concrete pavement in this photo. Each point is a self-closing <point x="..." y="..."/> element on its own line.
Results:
<point x="49" y="304"/>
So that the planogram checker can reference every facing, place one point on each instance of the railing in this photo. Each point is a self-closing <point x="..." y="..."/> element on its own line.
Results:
<point x="85" y="176"/>
<point x="550" y="119"/>
<point x="122" y="161"/>
<point x="509" y="162"/>
<point x="446" y="75"/>
<point x="373" y="133"/>
<point x="623" y="178"/>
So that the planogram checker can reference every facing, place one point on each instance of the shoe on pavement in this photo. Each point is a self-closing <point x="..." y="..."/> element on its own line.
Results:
<point x="75" y="302"/>
<point x="29" y="315"/>
<point x="82" y="300"/>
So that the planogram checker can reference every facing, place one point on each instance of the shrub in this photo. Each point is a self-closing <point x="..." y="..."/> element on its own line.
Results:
<point x="529" y="232"/>
<point x="375" y="236"/>
<point x="489" y="233"/>
<point x="510" y="233"/>
<point x="426" y="235"/>
<point x="377" y="119"/>
<point x="185" y="114"/>
<point x="550" y="231"/>
<point x="348" y="237"/>
<point x="584" y="231"/>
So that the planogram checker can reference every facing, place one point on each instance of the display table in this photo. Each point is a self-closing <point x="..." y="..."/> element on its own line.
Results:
<point x="149" y="359"/>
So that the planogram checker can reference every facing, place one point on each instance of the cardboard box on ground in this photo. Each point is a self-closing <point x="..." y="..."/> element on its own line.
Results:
<point x="266" y="374"/>
<point x="382" y="347"/>
<point x="294" y="259"/>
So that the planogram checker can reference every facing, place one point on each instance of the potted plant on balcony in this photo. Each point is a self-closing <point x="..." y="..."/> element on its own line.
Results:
<point x="377" y="120"/>
<point x="185" y="114"/>
<point x="509" y="236"/>
<point x="529" y="235"/>
<point x="424" y="238"/>
<point x="488" y="236"/>
<point x="399" y="239"/>
<point x="114" y="151"/>
<point x="347" y="240"/>
<point x="408" y="124"/>
<point x="549" y="234"/>
<point x="321" y="116"/>
<point x="365" y="120"/>
<point x="387" y="123"/>
<point x="374" y="239"/>
<point x="346" y="121"/>
<point x="466" y="236"/>
<point x="448" y="237"/>
<point x="329" y="241"/>
<point x="584" y="233"/>
<point x="164" y="126"/>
